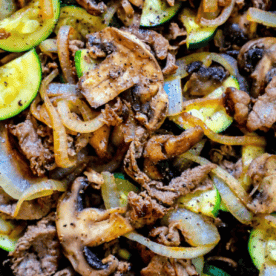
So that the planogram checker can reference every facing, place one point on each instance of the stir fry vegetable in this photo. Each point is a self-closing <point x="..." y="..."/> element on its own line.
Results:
<point x="138" y="137"/>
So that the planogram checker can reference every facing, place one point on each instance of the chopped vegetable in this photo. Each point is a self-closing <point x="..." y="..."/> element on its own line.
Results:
<point x="197" y="36"/>
<point x="156" y="12"/>
<point x="27" y="29"/>
<point x="263" y="17"/>
<point x="17" y="90"/>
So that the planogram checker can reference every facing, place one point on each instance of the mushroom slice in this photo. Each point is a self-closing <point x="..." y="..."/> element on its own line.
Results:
<point x="129" y="64"/>
<point x="79" y="228"/>
<point x="257" y="57"/>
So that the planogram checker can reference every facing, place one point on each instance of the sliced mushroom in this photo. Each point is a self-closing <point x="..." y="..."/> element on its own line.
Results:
<point x="258" y="57"/>
<point x="79" y="228"/>
<point x="129" y="64"/>
<point x="161" y="147"/>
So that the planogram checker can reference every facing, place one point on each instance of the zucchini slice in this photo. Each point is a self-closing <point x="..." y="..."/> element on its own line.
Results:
<point x="124" y="187"/>
<point x="215" y="117"/>
<point x="256" y="246"/>
<point x="19" y="83"/>
<point x="83" y="22"/>
<point x="84" y="62"/>
<point x="197" y="36"/>
<point x="203" y="202"/>
<point x="156" y="12"/>
<point x="27" y="28"/>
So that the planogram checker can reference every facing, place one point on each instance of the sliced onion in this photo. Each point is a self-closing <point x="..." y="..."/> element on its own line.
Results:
<point x="174" y="92"/>
<point x="224" y="62"/>
<point x="77" y="125"/>
<point x="268" y="269"/>
<point x="170" y="252"/>
<point x="210" y="5"/>
<point x="233" y="204"/>
<point x="47" y="9"/>
<point x="221" y="19"/>
<point x="198" y="264"/>
<point x="230" y="180"/>
<point x="44" y="188"/>
<point x="64" y="34"/>
<point x="6" y="227"/>
<point x="205" y="233"/>
<point x="112" y="7"/>
<point x="7" y="8"/>
<point x="110" y="193"/>
<point x="263" y="17"/>
<point x="59" y="132"/>
<point x="48" y="46"/>
<point x="59" y="89"/>
<point x="222" y="139"/>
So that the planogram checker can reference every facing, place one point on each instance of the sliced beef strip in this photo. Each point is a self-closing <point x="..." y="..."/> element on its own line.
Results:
<point x="237" y="103"/>
<point x="263" y="115"/>
<point x="162" y="266"/>
<point x="189" y="181"/>
<point x="37" y="253"/>
<point x="40" y="157"/>
<point x="29" y="210"/>
<point x="143" y="210"/>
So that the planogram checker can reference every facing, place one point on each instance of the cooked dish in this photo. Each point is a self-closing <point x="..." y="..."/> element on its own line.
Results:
<point x="138" y="137"/>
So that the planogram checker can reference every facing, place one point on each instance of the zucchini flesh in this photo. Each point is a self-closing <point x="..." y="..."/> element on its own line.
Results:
<point x="83" y="22"/>
<point x="197" y="36"/>
<point x="256" y="246"/>
<point x="17" y="88"/>
<point x="215" y="117"/>
<point x="156" y="12"/>
<point x="84" y="63"/>
<point x="124" y="187"/>
<point x="27" y="28"/>
<point x="203" y="202"/>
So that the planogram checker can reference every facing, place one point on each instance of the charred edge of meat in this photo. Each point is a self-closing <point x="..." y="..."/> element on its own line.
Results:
<point x="234" y="34"/>
<point x="216" y="73"/>
<point x="252" y="57"/>
<point x="92" y="259"/>
<point x="194" y="67"/>
<point x="228" y="102"/>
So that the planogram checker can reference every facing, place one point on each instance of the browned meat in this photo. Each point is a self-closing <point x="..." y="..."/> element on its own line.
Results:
<point x="261" y="4"/>
<point x="92" y="7"/>
<point x="162" y="266"/>
<point x="263" y="115"/>
<point x="66" y="272"/>
<point x="94" y="178"/>
<point x="159" y="43"/>
<point x="168" y="236"/>
<point x="262" y="172"/>
<point x="112" y="114"/>
<point x="175" y="32"/>
<point x="75" y="45"/>
<point x="189" y="181"/>
<point x="41" y="158"/>
<point x="170" y="67"/>
<point x="143" y="210"/>
<point x="237" y="103"/>
<point x="37" y="253"/>
<point x="30" y="210"/>
<point x="159" y="266"/>
<point x="122" y="269"/>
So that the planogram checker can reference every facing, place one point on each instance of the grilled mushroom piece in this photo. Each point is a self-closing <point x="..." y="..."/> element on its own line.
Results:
<point x="129" y="64"/>
<point x="257" y="58"/>
<point x="92" y="7"/>
<point x="79" y="228"/>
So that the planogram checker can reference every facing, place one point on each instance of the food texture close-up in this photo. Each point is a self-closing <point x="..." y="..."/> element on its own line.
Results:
<point x="137" y="137"/>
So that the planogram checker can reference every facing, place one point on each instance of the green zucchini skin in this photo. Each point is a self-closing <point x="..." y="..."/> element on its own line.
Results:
<point x="157" y="12"/>
<point x="20" y="95"/>
<point x="20" y="42"/>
